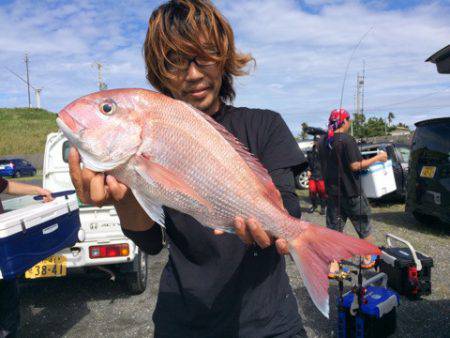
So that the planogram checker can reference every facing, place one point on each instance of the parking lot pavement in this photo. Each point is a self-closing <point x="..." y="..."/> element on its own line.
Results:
<point x="97" y="307"/>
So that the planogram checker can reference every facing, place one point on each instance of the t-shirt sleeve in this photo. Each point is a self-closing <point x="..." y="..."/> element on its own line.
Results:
<point x="353" y="153"/>
<point x="280" y="149"/>
<point x="3" y="184"/>
<point x="150" y="241"/>
<point x="284" y="181"/>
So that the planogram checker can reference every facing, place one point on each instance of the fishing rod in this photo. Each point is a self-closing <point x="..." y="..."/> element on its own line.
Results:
<point x="348" y="64"/>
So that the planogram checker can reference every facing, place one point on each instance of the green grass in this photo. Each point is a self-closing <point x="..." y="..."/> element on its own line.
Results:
<point x="24" y="130"/>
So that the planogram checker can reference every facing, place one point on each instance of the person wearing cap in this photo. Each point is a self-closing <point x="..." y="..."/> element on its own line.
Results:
<point x="9" y="293"/>
<point x="341" y="163"/>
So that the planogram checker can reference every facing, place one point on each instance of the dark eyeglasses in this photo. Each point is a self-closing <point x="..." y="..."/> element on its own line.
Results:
<point x="178" y="63"/>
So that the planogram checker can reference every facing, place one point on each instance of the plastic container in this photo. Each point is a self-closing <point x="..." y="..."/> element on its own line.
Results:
<point x="378" y="180"/>
<point x="409" y="271"/>
<point x="33" y="233"/>
<point x="375" y="317"/>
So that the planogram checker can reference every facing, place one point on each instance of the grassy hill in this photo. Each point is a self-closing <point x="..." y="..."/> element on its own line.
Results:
<point x="24" y="130"/>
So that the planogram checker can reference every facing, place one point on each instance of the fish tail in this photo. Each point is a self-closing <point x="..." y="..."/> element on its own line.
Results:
<point x="313" y="251"/>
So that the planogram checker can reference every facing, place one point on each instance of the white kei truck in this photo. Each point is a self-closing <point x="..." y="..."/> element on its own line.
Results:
<point x="100" y="243"/>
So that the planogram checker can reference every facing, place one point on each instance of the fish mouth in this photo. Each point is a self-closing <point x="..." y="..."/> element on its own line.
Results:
<point x="89" y="160"/>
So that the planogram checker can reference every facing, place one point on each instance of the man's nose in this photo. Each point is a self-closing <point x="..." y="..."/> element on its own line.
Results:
<point x="193" y="72"/>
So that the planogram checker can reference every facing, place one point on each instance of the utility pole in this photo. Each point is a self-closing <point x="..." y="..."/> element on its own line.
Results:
<point x="27" y="60"/>
<point x="359" y="101"/>
<point x="101" y="84"/>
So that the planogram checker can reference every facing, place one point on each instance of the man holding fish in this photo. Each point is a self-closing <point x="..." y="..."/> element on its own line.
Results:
<point x="184" y="164"/>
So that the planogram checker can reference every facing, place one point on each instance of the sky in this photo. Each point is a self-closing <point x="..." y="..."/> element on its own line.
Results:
<point x="301" y="47"/>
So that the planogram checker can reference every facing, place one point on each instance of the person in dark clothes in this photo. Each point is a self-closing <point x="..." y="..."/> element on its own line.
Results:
<point x="341" y="163"/>
<point x="215" y="284"/>
<point x="317" y="193"/>
<point x="9" y="293"/>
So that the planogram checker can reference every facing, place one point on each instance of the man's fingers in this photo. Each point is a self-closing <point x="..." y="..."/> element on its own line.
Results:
<point x="99" y="193"/>
<point x="75" y="172"/>
<point x="282" y="246"/>
<point x="218" y="232"/>
<point x="116" y="189"/>
<point x="259" y="235"/>
<point x="241" y="231"/>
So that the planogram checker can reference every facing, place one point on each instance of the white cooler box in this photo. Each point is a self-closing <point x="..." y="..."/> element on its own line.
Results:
<point x="378" y="180"/>
<point x="34" y="233"/>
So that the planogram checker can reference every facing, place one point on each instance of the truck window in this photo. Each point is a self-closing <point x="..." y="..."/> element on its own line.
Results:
<point x="65" y="151"/>
<point x="433" y="141"/>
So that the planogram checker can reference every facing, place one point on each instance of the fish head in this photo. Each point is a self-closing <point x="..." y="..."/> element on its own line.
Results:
<point x="104" y="126"/>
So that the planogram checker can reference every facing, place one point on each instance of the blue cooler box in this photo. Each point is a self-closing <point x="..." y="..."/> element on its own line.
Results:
<point x="33" y="233"/>
<point x="377" y="316"/>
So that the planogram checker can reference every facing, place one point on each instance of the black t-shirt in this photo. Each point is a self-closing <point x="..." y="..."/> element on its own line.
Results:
<point x="314" y="164"/>
<point x="344" y="150"/>
<point x="216" y="286"/>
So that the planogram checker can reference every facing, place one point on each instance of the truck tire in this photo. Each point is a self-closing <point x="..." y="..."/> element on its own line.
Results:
<point x="17" y="174"/>
<point x="136" y="280"/>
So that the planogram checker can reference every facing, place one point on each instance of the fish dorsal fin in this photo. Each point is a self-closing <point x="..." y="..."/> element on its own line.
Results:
<point x="255" y="165"/>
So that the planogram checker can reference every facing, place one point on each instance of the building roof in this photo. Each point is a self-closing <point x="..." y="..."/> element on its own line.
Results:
<point x="442" y="60"/>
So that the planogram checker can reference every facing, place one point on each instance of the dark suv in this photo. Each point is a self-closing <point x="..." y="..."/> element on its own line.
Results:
<point x="16" y="167"/>
<point x="399" y="155"/>
<point x="428" y="190"/>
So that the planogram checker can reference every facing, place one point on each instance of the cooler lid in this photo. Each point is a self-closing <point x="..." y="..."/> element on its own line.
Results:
<point x="403" y="257"/>
<point x="378" y="301"/>
<point x="13" y="222"/>
<point x="377" y="166"/>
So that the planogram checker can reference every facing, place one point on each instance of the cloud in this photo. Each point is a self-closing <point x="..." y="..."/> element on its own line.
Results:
<point x="301" y="49"/>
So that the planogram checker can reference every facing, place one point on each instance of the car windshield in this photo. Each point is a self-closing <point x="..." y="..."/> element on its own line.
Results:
<point x="405" y="152"/>
<point x="3" y="162"/>
<point x="433" y="140"/>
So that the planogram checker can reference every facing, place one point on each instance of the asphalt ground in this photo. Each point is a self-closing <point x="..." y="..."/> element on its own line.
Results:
<point x="87" y="306"/>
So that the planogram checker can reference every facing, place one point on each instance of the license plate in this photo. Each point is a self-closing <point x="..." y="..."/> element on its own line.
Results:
<point x="427" y="171"/>
<point x="54" y="266"/>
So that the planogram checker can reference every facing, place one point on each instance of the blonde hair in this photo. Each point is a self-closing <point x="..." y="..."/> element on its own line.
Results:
<point x="176" y="27"/>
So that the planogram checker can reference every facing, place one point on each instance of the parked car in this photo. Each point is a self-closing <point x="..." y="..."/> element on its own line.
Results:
<point x="399" y="155"/>
<point x="16" y="167"/>
<point x="428" y="189"/>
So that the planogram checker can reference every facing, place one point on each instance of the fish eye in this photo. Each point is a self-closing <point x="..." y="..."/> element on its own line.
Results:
<point x="108" y="108"/>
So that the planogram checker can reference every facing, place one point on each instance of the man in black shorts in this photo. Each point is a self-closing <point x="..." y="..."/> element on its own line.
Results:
<point x="214" y="284"/>
<point x="341" y="164"/>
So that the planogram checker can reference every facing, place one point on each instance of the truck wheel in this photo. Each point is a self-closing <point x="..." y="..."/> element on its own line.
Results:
<point x="136" y="280"/>
<point x="17" y="174"/>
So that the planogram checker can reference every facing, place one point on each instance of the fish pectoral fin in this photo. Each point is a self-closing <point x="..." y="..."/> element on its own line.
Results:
<point x="153" y="209"/>
<point x="155" y="173"/>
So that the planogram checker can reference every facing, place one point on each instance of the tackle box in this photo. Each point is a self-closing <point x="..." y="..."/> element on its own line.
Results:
<point x="31" y="234"/>
<point x="374" y="317"/>
<point x="378" y="180"/>
<point x="409" y="271"/>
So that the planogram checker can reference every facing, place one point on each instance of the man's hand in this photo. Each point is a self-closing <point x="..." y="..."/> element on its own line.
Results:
<point x="92" y="187"/>
<point x="382" y="156"/>
<point x="250" y="232"/>
<point x="47" y="195"/>
<point x="308" y="174"/>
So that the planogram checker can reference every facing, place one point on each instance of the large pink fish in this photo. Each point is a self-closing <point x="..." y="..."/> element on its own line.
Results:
<point x="171" y="154"/>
